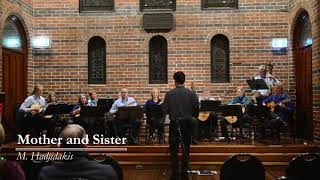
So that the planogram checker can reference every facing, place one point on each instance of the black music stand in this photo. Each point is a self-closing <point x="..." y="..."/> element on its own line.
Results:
<point x="60" y="108"/>
<point x="92" y="111"/>
<point x="107" y="103"/>
<point x="232" y="110"/>
<point x="154" y="110"/>
<point x="155" y="113"/>
<point x="129" y="115"/>
<point x="257" y="84"/>
<point x="93" y="119"/>
<point x="53" y="112"/>
<point x="259" y="114"/>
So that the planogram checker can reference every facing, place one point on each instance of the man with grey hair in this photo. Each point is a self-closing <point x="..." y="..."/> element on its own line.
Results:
<point x="268" y="79"/>
<point x="82" y="166"/>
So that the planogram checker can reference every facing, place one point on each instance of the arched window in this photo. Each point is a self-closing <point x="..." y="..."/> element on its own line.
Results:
<point x="158" y="60"/>
<point x="12" y="38"/>
<point x="305" y="35"/>
<point x="220" y="59"/>
<point x="97" y="61"/>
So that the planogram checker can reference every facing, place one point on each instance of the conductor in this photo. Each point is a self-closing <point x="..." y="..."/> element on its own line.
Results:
<point x="182" y="106"/>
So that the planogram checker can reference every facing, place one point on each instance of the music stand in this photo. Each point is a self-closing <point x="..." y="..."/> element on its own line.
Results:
<point x="259" y="114"/>
<point x="129" y="116"/>
<point x="209" y="105"/>
<point x="55" y="112"/>
<point x="234" y="110"/>
<point x="257" y="84"/>
<point x="92" y="111"/>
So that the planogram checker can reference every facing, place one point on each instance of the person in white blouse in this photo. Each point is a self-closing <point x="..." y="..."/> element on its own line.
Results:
<point x="207" y="125"/>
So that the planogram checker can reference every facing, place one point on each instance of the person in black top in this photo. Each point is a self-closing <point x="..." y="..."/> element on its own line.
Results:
<point x="182" y="106"/>
<point x="155" y="119"/>
<point x="81" y="166"/>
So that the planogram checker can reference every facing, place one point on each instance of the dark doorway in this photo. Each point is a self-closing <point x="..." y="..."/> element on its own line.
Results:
<point x="302" y="51"/>
<point x="14" y="67"/>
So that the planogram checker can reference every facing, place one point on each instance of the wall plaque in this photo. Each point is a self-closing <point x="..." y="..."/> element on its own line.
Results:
<point x="159" y="21"/>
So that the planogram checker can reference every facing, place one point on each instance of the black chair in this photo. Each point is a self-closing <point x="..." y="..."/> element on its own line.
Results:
<point x="114" y="164"/>
<point x="242" y="166"/>
<point x="304" y="167"/>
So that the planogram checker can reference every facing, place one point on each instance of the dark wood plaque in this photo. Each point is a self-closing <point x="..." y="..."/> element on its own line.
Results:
<point x="159" y="21"/>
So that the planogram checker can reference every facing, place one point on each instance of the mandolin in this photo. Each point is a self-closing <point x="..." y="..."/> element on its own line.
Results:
<point x="272" y="105"/>
<point x="35" y="109"/>
<point x="204" y="115"/>
<point x="231" y="119"/>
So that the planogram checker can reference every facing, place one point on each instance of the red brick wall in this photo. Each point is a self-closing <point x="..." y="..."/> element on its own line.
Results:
<point x="250" y="29"/>
<point x="64" y="67"/>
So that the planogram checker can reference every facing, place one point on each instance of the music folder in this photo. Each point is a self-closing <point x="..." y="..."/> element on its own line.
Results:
<point x="107" y="103"/>
<point x="257" y="84"/>
<point x="231" y="110"/>
<point x="92" y="111"/>
<point x="209" y="105"/>
<point x="60" y="108"/>
<point x="130" y="113"/>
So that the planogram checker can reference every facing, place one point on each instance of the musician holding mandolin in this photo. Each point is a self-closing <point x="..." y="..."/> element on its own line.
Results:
<point x="207" y="119"/>
<point x="35" y="102"/>
<point x="239" y="99"/>
<point x="32" y="106"/>
<point x="281" y="107"/>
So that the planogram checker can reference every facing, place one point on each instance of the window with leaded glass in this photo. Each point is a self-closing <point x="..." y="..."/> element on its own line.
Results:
<point x="219" y="3"/>
<point x="158" y="60"/>
<point x="96" y="5"/>
<point x="219" y="59"/>
<point x="146" y="5"/>
<point x="96" y="61"/>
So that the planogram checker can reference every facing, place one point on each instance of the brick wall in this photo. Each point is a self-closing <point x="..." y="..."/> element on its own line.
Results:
<point x="63" y="68"/>
<point x="250" y="29"/>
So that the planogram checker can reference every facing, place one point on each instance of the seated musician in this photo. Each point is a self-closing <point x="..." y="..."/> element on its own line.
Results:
<point x="211" y="122"/>
<point x="239" y="99"/>
<point x="92" y="100"/>
<point x="281" y="110"/>
<point x="268" y="79"/>
<point x="51" y="100"/>
<point x="153" y="121"/>
<point x="75" y="113"/>
<point x="33" y="106"/>
<point x="82" y="101"/>
<point x="125" y="101"/>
